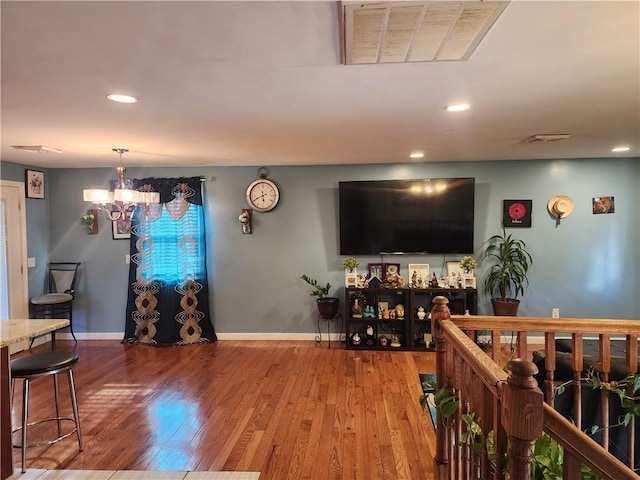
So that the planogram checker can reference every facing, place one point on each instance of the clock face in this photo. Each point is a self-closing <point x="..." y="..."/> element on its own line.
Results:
<point x="263" y="195"/>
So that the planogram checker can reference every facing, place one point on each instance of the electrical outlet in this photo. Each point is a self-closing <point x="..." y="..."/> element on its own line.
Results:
<point x="555" y="312"/>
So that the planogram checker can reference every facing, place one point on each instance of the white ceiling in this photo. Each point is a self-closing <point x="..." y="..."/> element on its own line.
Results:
<point x="262" y="83"/>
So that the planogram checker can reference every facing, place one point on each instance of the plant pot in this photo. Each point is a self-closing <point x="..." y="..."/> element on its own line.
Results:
<point x="328" y="307"/>
<point x="505" y="307"/>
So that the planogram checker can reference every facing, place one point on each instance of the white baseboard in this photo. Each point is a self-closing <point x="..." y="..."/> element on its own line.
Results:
<point x="221" y="336"/>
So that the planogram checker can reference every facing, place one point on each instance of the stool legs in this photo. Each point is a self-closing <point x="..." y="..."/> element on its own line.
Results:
<point x="74" y="405"/>
<point x="25" y="413"/>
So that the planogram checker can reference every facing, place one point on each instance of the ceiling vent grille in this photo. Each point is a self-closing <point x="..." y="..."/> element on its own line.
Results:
<point x="546" y="138"/>
<point x="434" y="31"/>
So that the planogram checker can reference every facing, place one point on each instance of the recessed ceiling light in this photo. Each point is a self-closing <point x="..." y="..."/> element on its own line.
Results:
<point x="621" y="149"/>
<point x="416" y="155"/>
<point x="459" y="107"/>
<point x="116" y="97"/>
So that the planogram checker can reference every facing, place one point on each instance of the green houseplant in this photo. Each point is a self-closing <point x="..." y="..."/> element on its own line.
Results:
<point x="327" y="306"/>
<point x="507" y="278"/>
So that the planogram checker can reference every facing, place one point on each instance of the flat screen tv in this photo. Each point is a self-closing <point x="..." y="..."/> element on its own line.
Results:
<point x="424" y="216"/>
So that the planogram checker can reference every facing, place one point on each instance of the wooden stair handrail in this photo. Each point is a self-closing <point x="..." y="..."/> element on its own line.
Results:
<point x="457" y="357"/>
<point x="577" y="444"/>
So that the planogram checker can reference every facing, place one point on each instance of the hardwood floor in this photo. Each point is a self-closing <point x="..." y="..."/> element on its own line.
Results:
<point x="291" y="410"/>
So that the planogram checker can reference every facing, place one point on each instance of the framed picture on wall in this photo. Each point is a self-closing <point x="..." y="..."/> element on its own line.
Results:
<point x="516" y="213"/>
<point x="121" y="229"/>
<point x="34" y="181"/>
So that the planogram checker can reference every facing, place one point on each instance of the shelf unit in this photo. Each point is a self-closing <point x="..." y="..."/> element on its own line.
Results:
<point x="410" y="329"/>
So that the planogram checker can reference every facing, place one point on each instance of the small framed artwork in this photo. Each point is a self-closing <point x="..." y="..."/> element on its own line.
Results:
<point x="121" y="229"/>
<point x="35" y="184"/>
<point x="468" y="282"/>
<point x="454" y="269"/>
<point x="391" y="271"/>
<point x="602" y="205"/>
<point x="375" y="271"/>
<point x="351" y="279"/>
<point x="516" y="213"/>
<point x="418" y="275"/>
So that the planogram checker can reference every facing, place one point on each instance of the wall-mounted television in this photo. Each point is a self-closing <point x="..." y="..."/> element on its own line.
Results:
<point x="423" y="216"/>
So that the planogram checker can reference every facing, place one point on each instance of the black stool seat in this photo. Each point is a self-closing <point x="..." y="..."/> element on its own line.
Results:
<point x="40" y="363"/>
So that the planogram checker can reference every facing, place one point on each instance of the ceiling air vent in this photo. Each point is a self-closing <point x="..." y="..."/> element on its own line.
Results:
<point x="398" y="31"/>
<point x="545" y="138"/>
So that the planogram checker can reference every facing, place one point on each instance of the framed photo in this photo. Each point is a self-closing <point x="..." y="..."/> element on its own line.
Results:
<point x="418" y="275"/>
<point x="121" y="229"/>
<point x="391" y="271"/>
<point x="602" y="205"/>
<point x="516" y="213"/>
<point x="454" y="269"/>
<point x="468" y="282"/>
<point x="375" y="270"/>
<point x="351" y="279"/>
<point x="34" y="181"/>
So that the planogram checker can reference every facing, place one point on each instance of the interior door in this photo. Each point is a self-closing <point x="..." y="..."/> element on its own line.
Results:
<point x="14" y="285"/>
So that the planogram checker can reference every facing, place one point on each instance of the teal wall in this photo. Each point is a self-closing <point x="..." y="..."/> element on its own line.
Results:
<point x="588" y="266"/>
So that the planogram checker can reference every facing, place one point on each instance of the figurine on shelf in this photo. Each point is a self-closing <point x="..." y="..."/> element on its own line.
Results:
<point x="400" y="311"/>
<point x="384" y="341"/>
<point x="356" y="309"/>
<point x="371" y="340"/>
<point x="421" y="313"/>
<point x="355" y="338"/>
<point x="433" y="283"/>
<point x="395" y="340"/>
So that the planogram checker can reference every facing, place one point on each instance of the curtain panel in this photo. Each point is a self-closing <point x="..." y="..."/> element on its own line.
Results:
<point x="168" y="294"/>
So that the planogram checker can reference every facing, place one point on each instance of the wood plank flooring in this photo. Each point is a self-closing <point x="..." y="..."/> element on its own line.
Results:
<point x="290" y="409"/>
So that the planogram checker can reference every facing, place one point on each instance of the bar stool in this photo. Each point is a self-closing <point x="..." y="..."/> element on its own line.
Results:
<point x="39" y="365"/>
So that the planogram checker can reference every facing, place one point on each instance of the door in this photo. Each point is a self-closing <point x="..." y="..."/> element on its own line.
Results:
<point x="13" y="252"/>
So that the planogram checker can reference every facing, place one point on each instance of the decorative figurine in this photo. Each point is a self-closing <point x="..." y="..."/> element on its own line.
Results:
<point x="384" y="341"/>
<point x="356" y="309"/>
<point x="395" y="341"/>
<point x="355" y="338"/>
<point x="433" y="283"/>
<point x="369" y="330"/>
<point x="421" y="313"/>
<point x="400" y="311"/>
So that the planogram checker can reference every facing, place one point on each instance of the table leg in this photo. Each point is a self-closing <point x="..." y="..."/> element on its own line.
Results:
<point x="6" y="460"/>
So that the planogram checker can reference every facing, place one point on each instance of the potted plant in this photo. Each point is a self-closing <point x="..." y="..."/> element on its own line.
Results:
<point x="507" y="278"/>
<point x="350" y="264"/>
<point x="327" y="306"/>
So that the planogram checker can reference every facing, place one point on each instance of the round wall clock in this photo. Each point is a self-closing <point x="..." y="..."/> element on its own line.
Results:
<point x="263" y="195"/>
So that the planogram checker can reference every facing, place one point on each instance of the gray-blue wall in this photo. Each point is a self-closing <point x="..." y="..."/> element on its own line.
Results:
<point x="588" y="266"/>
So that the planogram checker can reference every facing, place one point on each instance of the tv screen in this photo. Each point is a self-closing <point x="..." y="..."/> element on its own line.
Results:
<point x="424" y="216"/>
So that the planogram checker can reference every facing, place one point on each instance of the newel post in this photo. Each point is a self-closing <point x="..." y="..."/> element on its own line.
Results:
<point x="522" y="415"/>
<point x="441" y="312"/>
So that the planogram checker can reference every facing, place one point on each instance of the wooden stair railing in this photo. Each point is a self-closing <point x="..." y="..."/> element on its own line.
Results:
<point x="512" y="406"/>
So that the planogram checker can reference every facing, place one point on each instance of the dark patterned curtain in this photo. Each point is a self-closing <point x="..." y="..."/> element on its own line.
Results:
<point x="168" y="299"/>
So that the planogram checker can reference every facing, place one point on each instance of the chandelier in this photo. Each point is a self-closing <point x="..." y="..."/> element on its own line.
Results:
<point x="123" y="200"/>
